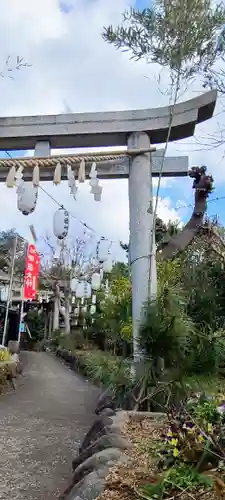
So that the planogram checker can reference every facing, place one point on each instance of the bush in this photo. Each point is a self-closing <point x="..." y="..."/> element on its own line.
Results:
<point x="167" y="331"/>
<point x="103" y="369"/>
<point x="36" y="324"/>
<point x="208" y="352"/>
<point x="70" y="342"/>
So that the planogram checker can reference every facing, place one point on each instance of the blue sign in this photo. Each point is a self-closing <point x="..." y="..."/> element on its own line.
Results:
<point x="22" y="327"/>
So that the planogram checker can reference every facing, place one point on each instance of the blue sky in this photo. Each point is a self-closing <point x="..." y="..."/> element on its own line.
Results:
<point x="66" y="6"/>
<point x="142" y="4"/>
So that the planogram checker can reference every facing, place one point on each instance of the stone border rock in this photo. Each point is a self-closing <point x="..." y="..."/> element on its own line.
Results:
<point x="9" y="371"/>
<point x="103" y="447"/>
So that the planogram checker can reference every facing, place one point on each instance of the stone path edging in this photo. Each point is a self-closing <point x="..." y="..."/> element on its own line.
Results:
<point x="102" y="448"/>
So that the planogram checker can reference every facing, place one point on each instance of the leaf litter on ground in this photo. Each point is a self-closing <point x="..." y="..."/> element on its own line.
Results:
<point x="124" y="481"/>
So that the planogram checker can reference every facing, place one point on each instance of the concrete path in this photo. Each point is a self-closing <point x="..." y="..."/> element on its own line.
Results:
<point x="41" y="425"/>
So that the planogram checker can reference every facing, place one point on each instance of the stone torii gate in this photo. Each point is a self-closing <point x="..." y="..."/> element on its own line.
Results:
<point x="137" y="130"/>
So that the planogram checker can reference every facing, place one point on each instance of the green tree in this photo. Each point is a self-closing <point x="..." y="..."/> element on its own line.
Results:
<point x="203" y="276"/>
<point x="7" y="240"/>
<point x="177" y="35"/>
<point x="113" y="316"/>
<point x="119" y="269"/>
<point x="36" y="324"/>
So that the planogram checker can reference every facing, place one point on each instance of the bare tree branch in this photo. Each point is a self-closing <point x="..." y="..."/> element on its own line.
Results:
<point x="11" y="66"/>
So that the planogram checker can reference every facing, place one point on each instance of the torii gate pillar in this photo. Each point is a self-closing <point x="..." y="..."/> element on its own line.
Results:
<point x="141" y="245"/>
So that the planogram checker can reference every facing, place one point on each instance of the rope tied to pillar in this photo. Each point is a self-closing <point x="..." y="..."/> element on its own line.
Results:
<point x="52" y="161"/>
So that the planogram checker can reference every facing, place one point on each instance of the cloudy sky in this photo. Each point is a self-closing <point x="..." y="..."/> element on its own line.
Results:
<point x="72" y="67"/>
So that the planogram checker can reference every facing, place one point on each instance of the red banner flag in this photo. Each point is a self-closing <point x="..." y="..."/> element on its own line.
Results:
<point x="31" y="273"/>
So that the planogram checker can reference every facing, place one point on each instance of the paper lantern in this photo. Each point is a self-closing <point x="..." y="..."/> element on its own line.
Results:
<point x="27" y="198"/>
<point x="92" y="309"/>
<point x="96" y="281"/>
<point x="74" y="284"/>
<point x="19" y="185"/>
<point x="61" y="223"/>
<point x="108" y="265"/>
<point x="76" y="311"/>
<point x="80" y="290"/>
<point x="84" y="309"/>
<point x="87" y="290"/>
<point x="102" y="250"/>
<point x="93" y="300"/>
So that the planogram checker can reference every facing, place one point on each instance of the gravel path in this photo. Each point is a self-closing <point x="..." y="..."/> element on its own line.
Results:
<point x="41" y="425"/>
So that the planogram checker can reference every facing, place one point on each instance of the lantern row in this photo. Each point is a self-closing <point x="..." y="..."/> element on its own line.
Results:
<point x="84" y="309"/>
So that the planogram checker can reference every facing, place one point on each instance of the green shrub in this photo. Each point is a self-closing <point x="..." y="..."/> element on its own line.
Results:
<point x="180" y="479"/>
<point x="167" y="331"/>
<point x="36" y="324"/>
<point x="107" y="370"/>
<point x="206" y="412"/>
<point x="102" y="368"/>
<point x="75" y="340"/>
<point x="208" y="352"/>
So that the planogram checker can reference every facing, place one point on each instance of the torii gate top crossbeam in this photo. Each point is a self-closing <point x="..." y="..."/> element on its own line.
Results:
<point x="105" y="128"/>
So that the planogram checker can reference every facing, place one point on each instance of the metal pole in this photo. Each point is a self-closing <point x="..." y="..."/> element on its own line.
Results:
<point x="10" y="291"/>
<point x="21" y="314"/>
<point x="22" y="301"/>
<point x="141" y="220"/>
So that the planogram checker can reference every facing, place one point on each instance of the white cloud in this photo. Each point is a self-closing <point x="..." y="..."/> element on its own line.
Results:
<point x="165" y="210"/>
<point x="71" y="64"/>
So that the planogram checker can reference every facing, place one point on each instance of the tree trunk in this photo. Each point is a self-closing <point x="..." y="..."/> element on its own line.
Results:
<point x="56" y="314"/>
<point x="67" y="316"/>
